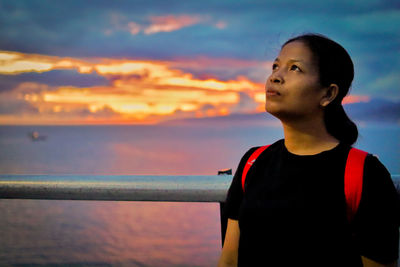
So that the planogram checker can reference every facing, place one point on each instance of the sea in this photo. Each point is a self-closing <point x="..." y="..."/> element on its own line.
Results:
<point x="57" y="233"/>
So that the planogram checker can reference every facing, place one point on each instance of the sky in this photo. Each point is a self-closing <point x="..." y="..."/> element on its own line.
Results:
<point x="145" y="62"/>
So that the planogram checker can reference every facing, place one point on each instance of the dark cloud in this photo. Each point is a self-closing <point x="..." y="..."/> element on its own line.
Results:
<point x="8" y="82"/>
<point x="379" y="110"/>
<point x="54" y="79"/>
<point x="206" y="107"/>
<point x="245" y="104"/>
<point x="105" y="112"/>
<point x="12" y="106"/>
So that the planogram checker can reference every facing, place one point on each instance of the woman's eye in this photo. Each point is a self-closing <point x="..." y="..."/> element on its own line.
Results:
<point x="274" y="66"/>
<point x="295" y="68"/>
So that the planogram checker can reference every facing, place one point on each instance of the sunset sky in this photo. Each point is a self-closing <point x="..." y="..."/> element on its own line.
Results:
<point x="143" y="62"/>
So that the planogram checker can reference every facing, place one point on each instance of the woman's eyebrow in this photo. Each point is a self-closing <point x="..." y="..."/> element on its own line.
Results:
<point x="295" y="60"/>
<point x="291" y="60"/>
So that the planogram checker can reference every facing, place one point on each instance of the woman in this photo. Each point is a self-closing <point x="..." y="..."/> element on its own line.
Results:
<point x="292" y="209"/>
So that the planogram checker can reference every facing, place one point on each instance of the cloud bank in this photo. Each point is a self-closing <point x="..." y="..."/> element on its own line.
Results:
<point x="137" y="91"/>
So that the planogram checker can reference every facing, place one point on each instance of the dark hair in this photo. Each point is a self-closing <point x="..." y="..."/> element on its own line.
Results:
<point x="335" y="67"/>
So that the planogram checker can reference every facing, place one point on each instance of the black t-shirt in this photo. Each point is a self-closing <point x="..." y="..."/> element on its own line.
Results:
<point x="293" y="211"/>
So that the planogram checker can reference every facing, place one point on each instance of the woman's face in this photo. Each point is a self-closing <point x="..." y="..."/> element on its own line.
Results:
<point x="293" y="90"/>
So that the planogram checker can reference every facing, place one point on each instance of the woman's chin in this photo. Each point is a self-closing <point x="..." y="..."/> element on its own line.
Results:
<point x="279" y="113"/>
<point x="271" y="109"/>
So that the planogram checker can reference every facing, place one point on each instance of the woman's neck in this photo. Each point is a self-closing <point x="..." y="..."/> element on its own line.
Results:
<point x="308" y="137"/>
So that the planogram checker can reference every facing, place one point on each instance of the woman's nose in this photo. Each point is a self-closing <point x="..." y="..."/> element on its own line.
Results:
<point x="274" y="78"/>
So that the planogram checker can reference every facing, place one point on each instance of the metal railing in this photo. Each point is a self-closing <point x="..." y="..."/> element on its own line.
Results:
<point x="209" y="188"/>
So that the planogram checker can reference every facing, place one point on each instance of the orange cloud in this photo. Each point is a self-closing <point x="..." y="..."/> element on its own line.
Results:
<point x="16" y="63"/>
<point x="171" y="23"/>
<point x="139" y="91"/>
<point x="355" y="99"/>
<point x="160" y="102"/>
<point x="157" y="24"/>
<point x="161" y="74"/>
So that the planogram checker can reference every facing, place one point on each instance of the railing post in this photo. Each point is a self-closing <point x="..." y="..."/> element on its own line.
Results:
<point x="222" y="215"/>
<point x="224" y="221"/>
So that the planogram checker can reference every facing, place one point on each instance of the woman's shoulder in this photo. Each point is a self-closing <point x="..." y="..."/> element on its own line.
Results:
<point x="378" y="182"/>
<point x="269" y="148"/>
<point x="375" y="171"/>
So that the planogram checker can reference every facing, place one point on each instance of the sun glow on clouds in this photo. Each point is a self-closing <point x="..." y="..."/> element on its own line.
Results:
<point x="16" y="63"/>
<point x="140" y="91"/>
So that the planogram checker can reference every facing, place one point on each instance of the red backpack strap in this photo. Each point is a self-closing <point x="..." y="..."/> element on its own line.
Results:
<point x="353" y="180"/>
<point x="250" y="162"/>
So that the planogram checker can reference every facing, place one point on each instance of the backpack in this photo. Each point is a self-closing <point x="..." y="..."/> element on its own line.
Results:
<point x="353" y="177"/>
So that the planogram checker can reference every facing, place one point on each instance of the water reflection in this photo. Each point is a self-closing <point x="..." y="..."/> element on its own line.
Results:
<point x="117" y="233"/>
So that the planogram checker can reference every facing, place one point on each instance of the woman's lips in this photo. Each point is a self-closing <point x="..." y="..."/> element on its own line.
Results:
<point x="272" y="92"/>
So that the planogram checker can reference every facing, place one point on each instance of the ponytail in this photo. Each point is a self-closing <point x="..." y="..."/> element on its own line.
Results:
<point x="339" y="125"/>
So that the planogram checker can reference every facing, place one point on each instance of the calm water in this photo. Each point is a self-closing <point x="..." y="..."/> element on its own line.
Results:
<point x="96" y="233"/>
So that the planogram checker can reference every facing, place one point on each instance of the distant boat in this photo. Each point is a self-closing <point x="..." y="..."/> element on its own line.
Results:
<point x="225" y="172"/>
<point x="35" y="136"/>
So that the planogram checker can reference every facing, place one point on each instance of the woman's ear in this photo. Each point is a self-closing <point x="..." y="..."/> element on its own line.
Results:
<point x="331" y="93"/>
